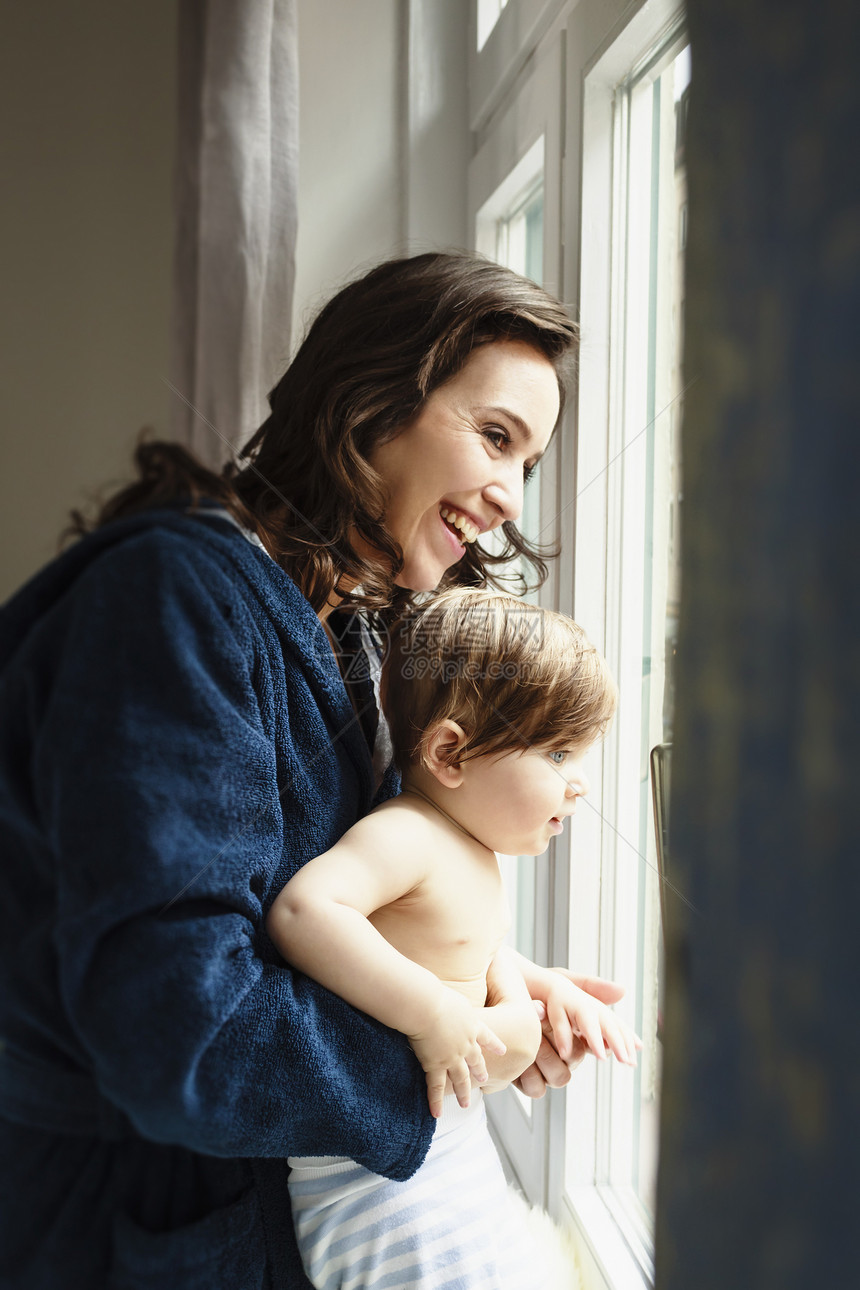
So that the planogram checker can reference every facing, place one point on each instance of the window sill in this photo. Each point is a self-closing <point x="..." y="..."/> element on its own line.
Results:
<point x="614" y="1253"/>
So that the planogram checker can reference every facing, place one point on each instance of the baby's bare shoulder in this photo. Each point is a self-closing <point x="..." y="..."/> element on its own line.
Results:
<point x="396" y="826"/>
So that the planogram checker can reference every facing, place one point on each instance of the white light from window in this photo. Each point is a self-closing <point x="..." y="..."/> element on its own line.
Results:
<point x="632" y="312"/>
<point x="488" y="16"/>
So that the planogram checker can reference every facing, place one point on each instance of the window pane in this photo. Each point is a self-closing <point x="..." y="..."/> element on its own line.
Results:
<point x="488" y="16"/>
<point x="642" y="523"/>
<point x="519" y="246"/>
<point x="656" y="202"/>
<point x="666" y="100"/>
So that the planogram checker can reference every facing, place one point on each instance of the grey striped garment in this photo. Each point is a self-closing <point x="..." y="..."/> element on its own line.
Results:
<point x="452" y="1226"/>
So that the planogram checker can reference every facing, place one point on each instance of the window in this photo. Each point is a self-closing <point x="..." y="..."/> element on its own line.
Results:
<point x="578" y="181"/>
<point x="488" y="16"/>
<point x="633" y="477"/>
<point x="510" y="229"/>
<point x="513" y="228"/>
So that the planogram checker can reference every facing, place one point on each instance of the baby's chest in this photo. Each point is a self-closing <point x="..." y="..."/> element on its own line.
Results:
<point x="467" y="906"/>
<point x="452" y="924"/>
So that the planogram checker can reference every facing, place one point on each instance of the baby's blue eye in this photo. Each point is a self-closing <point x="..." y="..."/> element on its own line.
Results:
<point x="558" y="757"/>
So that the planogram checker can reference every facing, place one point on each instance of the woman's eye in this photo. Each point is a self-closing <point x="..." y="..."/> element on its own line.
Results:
<point x="498" y="438"/>
<point x="557" y="758"/>
<point x="528" y="471"/>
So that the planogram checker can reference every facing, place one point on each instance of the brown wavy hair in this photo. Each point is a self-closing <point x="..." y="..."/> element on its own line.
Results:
<point x="369" y="361"/>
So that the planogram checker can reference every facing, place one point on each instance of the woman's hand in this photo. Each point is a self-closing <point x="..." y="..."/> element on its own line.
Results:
<point x="510" y="1013"/>
<point x="562" y="1051"/>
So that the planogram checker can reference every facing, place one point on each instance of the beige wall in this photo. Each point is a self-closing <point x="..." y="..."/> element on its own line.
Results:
<point x="349" y="165"/>
<point x="87" y="100"/>
<point x="86" y="234"/>
<point x="383" y="137"/>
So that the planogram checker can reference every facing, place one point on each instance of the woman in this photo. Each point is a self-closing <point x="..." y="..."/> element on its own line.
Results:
<point x="178" y="739"/>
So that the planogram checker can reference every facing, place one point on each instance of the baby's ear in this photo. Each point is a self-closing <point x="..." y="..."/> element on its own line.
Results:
<point x="441" y="749"/>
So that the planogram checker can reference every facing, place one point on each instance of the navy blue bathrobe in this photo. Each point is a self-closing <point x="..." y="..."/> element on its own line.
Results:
<point x="175" y="741"/>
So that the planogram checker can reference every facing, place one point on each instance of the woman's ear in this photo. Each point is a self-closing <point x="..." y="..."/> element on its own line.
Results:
<point x="441" y="752"/>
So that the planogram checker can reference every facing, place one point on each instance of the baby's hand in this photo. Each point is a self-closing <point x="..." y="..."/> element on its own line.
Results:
<point x="570" y="1011"/>
<point x="450" y="1046"/>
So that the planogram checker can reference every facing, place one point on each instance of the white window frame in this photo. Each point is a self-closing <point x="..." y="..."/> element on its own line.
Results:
<point x="489" y="12"/>
<point x="546" y="78"/>
<point x="615" y="1234"/>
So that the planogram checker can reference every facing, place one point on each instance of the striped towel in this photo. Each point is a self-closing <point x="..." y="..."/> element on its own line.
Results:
<point x="452" y="1226"/>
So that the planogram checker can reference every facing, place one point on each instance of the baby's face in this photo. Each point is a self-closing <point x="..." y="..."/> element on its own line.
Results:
<point x="514" y="803"/>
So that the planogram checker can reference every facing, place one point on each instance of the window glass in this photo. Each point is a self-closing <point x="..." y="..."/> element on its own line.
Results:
<point x="643" y="559"/>
<point x="663" y="100"/>
<point x="519" y="246"/>
<point x="488" y="16"/>
<point x="577" y="181"/>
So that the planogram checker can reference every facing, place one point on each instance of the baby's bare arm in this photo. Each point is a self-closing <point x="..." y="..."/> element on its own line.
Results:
<point x="319" y="922"/>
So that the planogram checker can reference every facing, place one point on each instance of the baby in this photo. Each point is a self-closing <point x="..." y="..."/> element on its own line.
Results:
<point x="492" y="704"/>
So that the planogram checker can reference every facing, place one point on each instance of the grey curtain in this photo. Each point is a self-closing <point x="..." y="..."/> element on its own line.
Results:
<point x="236" y="174"/>
<point x="761" y="1093"/>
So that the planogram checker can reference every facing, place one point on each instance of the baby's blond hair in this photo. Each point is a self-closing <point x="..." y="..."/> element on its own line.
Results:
<point x="513" y="675"/>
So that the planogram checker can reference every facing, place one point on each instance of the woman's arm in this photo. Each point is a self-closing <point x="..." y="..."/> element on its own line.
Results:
<point x="319" y="922"/>
<point x="512" y="1015"/>
<point x="173" y="788"/>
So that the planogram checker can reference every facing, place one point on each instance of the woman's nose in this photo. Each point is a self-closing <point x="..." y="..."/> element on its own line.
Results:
<point x="505" y="492"/>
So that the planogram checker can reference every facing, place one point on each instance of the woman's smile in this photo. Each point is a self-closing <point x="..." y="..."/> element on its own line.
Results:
<point x="452" y="537"/>
<point x="458" y="469"/>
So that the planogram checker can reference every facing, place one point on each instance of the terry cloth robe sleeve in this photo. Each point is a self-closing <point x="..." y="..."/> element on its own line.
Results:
<point x="184" y="767"/>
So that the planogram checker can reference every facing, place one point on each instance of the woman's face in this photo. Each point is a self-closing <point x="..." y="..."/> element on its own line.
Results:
<point x="466" y="453"/>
